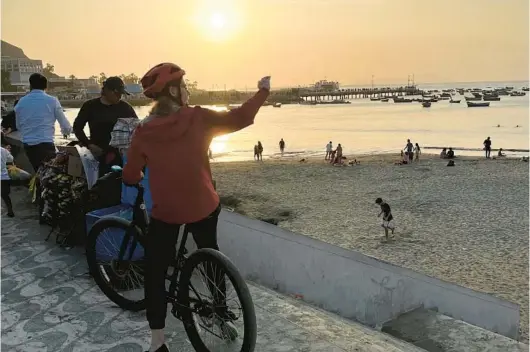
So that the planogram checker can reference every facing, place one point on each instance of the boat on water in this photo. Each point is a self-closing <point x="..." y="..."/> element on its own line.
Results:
<point x="375" y="99"/>
<point x="277" y="105"/>
<point x="473" y="99"/>
<point x="402" y="100"/>
<point x="454" y="101"/>
<point x="307" y="102"/>
<point x="491" y="98"/>
<point x="325" y="86"/>
<point x="517" y="94"/>
<point x="426" y="104"/>
<point x="471" y="104"/>
<point x="384" y="100"/>
<point x="525" y="89"/>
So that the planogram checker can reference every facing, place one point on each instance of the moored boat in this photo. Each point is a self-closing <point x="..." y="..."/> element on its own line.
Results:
<point x="473" y="99"/>
<point x="491" y="98"/>
<point x="426" y="104"/>
<point x="384" y="100"/>
<point x="471" y="104"/>
<point x="277" y="105"/>
<point x="454" y="101"/>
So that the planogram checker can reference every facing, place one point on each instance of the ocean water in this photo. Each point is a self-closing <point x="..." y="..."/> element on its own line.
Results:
<point x="366" y="127"/>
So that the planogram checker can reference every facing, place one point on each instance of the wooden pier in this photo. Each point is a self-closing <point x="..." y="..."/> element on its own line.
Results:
<point x="359" y="93"/>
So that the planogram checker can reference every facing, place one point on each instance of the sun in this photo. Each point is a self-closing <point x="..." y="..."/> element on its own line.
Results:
<point x="217" y="21"/>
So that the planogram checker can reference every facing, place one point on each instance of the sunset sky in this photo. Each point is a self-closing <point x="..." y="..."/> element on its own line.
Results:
<point x="235" y="42"/>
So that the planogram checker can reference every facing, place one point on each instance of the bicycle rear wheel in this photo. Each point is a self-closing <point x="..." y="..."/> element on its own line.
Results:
<point x="215" y="320"/>
<point x="120" y="279"/>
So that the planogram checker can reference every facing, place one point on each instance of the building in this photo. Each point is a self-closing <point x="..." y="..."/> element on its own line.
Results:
<point x="68" y="82"/>
<point x="20" y="69"/>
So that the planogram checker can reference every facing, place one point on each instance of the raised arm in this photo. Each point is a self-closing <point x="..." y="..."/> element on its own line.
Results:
<point x="66" y="128"/>
<point x="132" y="171"/>
<point x="234" y="120"/>
<point x="79" y="125"/>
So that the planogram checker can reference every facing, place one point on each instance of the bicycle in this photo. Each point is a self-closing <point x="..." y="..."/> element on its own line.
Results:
<point x="188" y="304"/>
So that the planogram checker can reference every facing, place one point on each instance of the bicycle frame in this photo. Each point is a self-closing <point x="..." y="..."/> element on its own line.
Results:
<point x="141" y="221"/>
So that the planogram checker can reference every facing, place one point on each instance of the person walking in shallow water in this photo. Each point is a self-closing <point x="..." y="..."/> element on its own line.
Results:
<point x="260" y="151"/>
<point x="329" y="149"/>
<point x="487" y="147"/>
<point x="282" y="146"/>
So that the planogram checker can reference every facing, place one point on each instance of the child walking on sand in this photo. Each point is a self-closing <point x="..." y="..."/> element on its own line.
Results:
<point x="6" y="157"/>
<point x="387" y="224"/>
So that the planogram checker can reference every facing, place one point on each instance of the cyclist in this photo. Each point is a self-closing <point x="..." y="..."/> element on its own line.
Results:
<point x="173" y="143"/>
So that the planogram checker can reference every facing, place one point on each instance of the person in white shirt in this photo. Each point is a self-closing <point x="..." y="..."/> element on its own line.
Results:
<point x="5" y="158"/>
<point x="329" y="149"/>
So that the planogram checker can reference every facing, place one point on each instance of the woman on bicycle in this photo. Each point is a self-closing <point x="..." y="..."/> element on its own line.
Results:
<point x="173" y="143"/>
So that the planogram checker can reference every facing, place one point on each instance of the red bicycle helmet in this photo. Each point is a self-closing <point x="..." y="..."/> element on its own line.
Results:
<point x="157" y="78"/>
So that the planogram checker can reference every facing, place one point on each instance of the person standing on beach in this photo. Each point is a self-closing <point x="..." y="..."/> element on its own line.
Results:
<point x="417" y="151"/>
<point x="410" y="150"/>
<point x="329" y="149"/>
<point x="338" y="155"/>
<point x="487" y="147"/>
<point x="260" y="151"/>
<point x="282" y="146"/>
<point x="387" y="224"/>
<point x="256" y="152"/>
<point x="36" y="114"/>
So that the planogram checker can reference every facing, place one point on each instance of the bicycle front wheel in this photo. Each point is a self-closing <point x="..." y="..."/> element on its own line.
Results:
<point x="121" y="278"/>
<point x="217" y="309"/>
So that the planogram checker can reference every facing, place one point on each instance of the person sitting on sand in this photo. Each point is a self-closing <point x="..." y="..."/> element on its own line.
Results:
<point x="329" y="149"/>
<point x="443" y="154"/>
<point x="387" y="224"/>
<point x="332" y="156"/>
<point x="450" y="154"/>
<point x="500" y="153"/>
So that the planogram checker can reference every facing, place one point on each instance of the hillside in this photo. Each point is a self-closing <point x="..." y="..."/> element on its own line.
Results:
<point x="12" y="51"/>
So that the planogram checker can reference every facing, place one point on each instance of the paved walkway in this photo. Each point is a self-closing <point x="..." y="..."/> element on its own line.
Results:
<point x="49" y="303"/>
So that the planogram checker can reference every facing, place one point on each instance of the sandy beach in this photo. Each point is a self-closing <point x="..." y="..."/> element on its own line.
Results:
<point x="466" y="224"/>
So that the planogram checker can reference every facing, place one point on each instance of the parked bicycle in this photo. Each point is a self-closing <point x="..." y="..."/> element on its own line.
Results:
<point x="115" y="255"/>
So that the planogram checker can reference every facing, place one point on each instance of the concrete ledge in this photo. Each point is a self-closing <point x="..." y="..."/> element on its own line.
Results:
<point x="349" y="283"/>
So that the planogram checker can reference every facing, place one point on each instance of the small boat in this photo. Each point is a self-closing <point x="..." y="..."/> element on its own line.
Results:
<point x="454" y="101"/>
<point x="402" y="100"/>
<point x="517" y="94"/>
<point x="375" y="99"/>
<point x="491" y="98"/>
<point x="308" y="102"/>
<point x="426" y="104"/>
<point x="525" y="89"/>
<point x="471" y="104"/>
<point x="277" y="105"/>
<point x="384" y="100"/>
<point x="473" y="99"/>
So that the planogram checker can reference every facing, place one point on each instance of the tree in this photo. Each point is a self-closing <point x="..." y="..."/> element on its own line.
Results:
<point x="102" y="78"/>
<point x="94" y="77"/>
<point x="72" y="79"/>
<point x="192" y="86"/>
<point x="6" y="82"/>
<point x="48" y="71"/>
<point x="131" y="78"/>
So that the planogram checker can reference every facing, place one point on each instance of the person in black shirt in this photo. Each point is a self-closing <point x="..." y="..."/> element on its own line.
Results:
<point x="101" y="114"/>
<point x="9" y="121"/>
<point x="487" y="147"/>
<point x="387" y="224"/>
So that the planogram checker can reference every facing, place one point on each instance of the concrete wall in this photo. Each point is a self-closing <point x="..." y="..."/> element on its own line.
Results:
<point x="349" y="283"/>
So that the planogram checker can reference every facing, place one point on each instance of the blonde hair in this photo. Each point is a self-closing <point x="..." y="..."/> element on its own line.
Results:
<point x="164" y="106"/>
